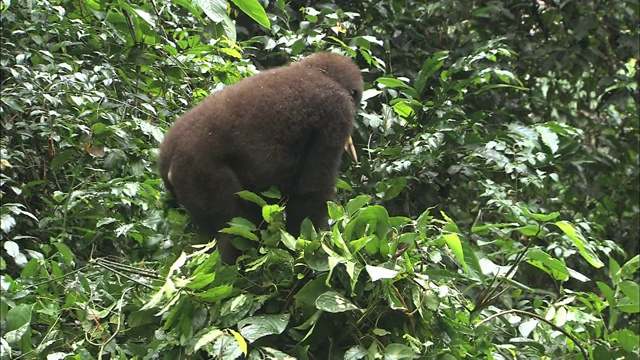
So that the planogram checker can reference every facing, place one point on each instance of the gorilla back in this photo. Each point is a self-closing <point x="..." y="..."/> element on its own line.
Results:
<point x="284" y="127"/>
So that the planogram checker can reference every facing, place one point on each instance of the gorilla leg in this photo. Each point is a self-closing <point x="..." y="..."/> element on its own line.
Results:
<point x="209" y="196"/>
<point x="314" y="185"/>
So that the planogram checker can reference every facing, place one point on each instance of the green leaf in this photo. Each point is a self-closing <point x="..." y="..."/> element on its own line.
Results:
<point x="376" y="273"/>
<point x="252" y="197"/>
<point x="482" y="229"/>
<point x="429" y="67"/>
<point x="270" y="212"/>
<point x="18" y="316"/>
<point x="371" y="220"/>
<point x="607" y="292"/>
<point x="399" y="352"/>
<point x="631" y="302"/>
<point x="392" y="82"/>
<point x="201" y="280"/>
<point x="232" y="52"/>
<point x="553" y="267"/>
<point x="539" y="217"/>
<point x="65" y="253"/>
<point x="216" y="10"/>
<point x="450" y="226"/>
<point x="528" y="230"/>
<point x="288" y="240"/>
<point x="402" y="109"/>
<point x="394" y="187"/>
<point x="61" y="159"/>
<point x="336" y="212"/>
<point x="627" y="339"/>
<point x="256" y="327"/>
<point x="215" y="294"/>
<point x="549" y="137"/>
<point x="453" y="241"/>
<point x="357" y="203"/>
<point x="240" y="231"/>
<point x="207" y="336"/>
<point x="254" y="10"/>
<point x="334" y="302"/>
<point x="498" y="86"/>
<point x="7" y="222"/>
<point x="272" y="193"/>
<point x="310" y="291"/>
<point x="580" y="243"/>
<point x="395" y="83"/>
<point x="629" y="269"/>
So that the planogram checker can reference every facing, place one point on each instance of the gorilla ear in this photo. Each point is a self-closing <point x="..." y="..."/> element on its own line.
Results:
<point x="348" y="147"/>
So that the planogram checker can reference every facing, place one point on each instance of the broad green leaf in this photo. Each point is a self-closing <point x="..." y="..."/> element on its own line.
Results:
<point x="62" y="158"/>
<point x="310" y="291"/>
<point x="429" y="67"/>
<point x="334" y="302"/>
<point x="253" y="197"/>
<point x="240" y="231"/>
<point x="216" y="10"/>
<point x="65" y="253"/>
<point x="272" y="193"/>
<point x="254" y="10"/>
<point x="395" y="83"/>
<point x="539" y="217"/>
<point x="200" y="281"/>
<point x="376" y="273"/>
<point x="631" y="302"/>
<point x="450" y="225"/>
<point x="336" y="212"/>
<point x="270" y="212"/>
<point x="453" y="241"/>
<point x="607" y="292"/>
<point x="549" y="138"/>
<point x="138" y="13"/>
<point x="579" y="241"/>
<point x="288" y="240"/>
<point x="394" y="187"/>
<point x="177" y="265"/>
<point x="553" y="267"/>
<point x="371" y="220"/>
<point x="356" y="352"/>
<point x="357" y="203"/>
<point x="627" y="339"/>
<point x="232" y="52"/>
<point x="148" y="18"/>
<point x="256" y="327"/>
<point x="403" y="109"/>
<point x="529" y="230"/>
<point x="209" y="336"/>
<point x="629" y="269"/>
<point x="498" y="86"/>
<point x="215" y="294"/>
<point x="392" y="82"/>
<point x="482" y="229"/>
<point x="399" y="352"/>
<point x="18" y="316"/>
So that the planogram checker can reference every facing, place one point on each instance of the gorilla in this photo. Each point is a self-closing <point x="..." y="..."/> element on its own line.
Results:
<point x="284" y="127"/>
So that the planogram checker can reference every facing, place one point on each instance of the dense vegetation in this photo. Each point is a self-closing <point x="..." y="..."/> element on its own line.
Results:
<point x="494" y="212"/>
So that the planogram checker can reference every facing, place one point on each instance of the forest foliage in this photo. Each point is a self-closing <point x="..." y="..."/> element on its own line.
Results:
<point x="494" y="212"/>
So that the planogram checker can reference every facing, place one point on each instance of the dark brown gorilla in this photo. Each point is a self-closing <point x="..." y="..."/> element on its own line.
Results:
<point x="285" y="127"/>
